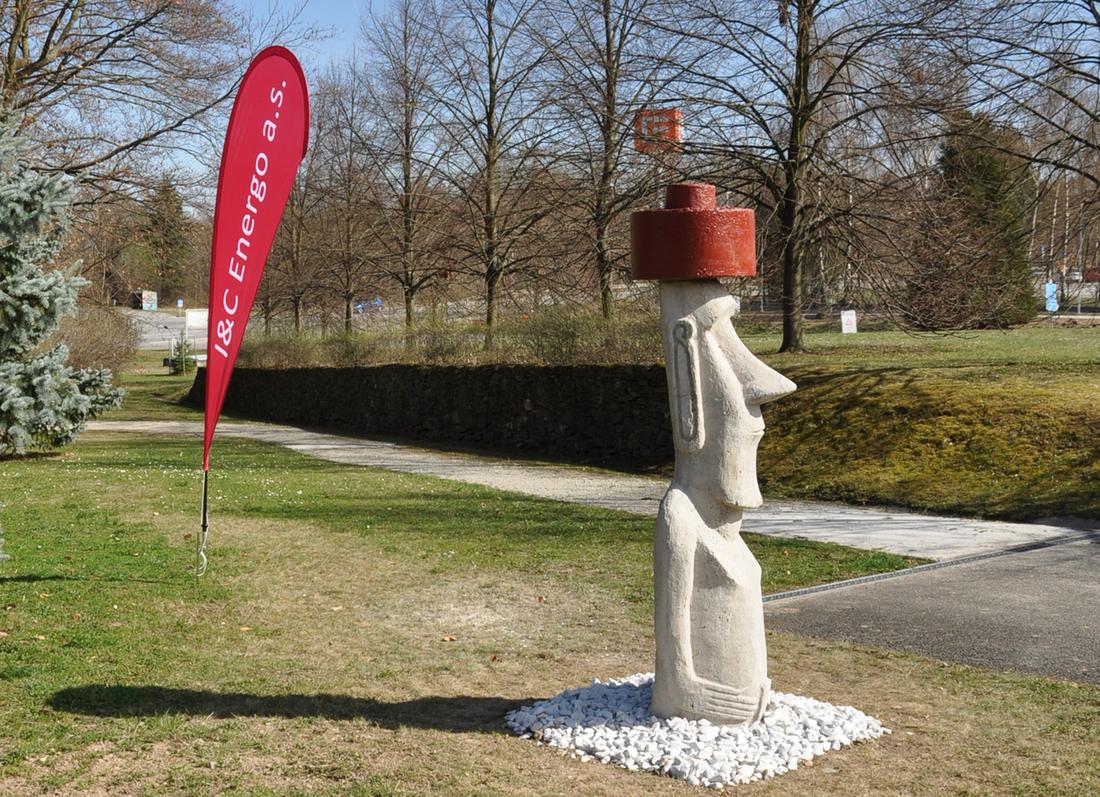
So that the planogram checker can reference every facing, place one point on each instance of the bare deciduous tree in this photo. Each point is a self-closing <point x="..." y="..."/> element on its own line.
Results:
<point x="404" y="144"/>
<point x="489" y="117"/>
<point x="773" y="88"/>
<point x="294" y="268"/>
<point x="606" y="64"/>
<point x="97" y="82"/>
<point x="346" y="184"/>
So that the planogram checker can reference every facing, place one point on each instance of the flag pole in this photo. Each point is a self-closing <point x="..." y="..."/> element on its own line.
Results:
<point x="265" y="141"/>
<point x="200" y="564"/>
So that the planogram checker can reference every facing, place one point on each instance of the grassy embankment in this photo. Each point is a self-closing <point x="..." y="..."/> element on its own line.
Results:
<point x="362" y="633"/>
<point x="997" y="424"/>
<point x="153" y="394"/>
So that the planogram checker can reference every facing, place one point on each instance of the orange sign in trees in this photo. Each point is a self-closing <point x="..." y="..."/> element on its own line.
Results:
<point x="658" y="130"/>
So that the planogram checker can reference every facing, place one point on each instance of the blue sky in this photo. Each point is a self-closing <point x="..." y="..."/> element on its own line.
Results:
<point x="340" y="16"/>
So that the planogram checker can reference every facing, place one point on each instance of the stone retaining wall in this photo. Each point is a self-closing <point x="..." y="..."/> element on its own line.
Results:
<point x="612" y="415"/>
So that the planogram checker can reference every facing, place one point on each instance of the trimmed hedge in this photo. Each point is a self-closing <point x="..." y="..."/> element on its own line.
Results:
<point x="608" y="415"/>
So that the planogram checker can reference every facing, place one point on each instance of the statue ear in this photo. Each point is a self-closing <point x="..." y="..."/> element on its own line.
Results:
<point x="688" y="406"/>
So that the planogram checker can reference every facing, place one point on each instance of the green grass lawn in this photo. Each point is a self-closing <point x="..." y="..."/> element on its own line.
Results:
<point x="362" y="632"/>
<point x="153" y="394"/>
<point x="1036" y="351"/>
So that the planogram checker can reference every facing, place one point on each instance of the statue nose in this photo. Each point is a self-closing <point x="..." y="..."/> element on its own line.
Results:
<point x="765" y="384"/>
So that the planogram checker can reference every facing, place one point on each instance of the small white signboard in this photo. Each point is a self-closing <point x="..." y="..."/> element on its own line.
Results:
<point x="848" y="321"/>
<point x="1051" y="289"/>
<point x="197" y="319"/>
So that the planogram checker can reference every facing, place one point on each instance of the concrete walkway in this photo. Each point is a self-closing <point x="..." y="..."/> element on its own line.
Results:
<point x="928" y="536"/>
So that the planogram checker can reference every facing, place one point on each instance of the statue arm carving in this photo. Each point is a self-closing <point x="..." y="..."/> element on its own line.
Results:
<point x="673" y="593"/>
<point x="677" y="544"/>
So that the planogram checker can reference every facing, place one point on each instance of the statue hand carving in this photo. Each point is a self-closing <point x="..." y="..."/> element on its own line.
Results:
<point x="725" y="703"/>
<point x="717" y="702"/>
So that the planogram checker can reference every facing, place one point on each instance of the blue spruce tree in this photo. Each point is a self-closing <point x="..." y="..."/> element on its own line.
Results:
<point x="43" y="402"/>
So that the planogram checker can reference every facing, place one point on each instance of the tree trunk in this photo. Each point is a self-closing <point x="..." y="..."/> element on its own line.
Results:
<point x="790" y="233"/>
<point x="604" y="275"/>
<point x="792" y="298"/>
<point x="492" y="244"/>
<point x="347" y="315"/>
<point x="605" y="190"/>
<point x="606" y="304"/>
<point x="791" y="228"/>
<point x="297" y="303"/>
<point x="491" y="280"/>
<point x="603" y="271"/>
<point x="410" y="338"/>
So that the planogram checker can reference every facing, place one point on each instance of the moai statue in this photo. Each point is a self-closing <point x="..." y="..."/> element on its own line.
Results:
<point x="709" y="616"/>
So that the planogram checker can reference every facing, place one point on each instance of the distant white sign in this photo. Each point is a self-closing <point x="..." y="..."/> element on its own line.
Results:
<point x="197" y="319"/>
<point x="848" y="322"/>
<point x="149" y="301"/>
<point x="179" y="303"/>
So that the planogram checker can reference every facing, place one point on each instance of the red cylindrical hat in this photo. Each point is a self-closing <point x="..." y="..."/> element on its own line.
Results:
<point x="691" y="238"/>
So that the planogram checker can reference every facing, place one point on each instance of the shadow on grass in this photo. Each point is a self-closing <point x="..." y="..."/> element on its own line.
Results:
<point x="29" y="455"/>
<point x="460" y="714"/>
<point x="32" y="579"/>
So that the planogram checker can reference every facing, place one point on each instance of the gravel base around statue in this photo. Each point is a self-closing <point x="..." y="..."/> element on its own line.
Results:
<point x="611" y="722"/>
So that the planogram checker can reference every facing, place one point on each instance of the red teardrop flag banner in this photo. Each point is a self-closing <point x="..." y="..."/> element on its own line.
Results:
<point x="266" y="141"/>
<point x="264" y="145"/>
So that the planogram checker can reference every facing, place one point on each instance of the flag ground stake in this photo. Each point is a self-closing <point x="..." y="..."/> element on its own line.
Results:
<point x="200" y="564"/>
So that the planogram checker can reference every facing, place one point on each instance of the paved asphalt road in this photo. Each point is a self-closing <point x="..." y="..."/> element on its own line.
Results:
<point x="1037" y="611"/>
<point x="159" y="330"/>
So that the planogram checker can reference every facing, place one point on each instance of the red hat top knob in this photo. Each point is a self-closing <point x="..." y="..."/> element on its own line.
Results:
<point x="692" y="238"/>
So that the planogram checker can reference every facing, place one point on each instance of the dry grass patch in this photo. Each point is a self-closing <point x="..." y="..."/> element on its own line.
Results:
<point x="362" y="694"/>
<point x="314" y="659"/>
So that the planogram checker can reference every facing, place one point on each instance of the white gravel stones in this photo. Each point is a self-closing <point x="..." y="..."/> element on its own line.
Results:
<point x="609" y="721"/>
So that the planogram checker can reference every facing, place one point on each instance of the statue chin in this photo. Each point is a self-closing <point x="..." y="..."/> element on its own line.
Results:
<point x="729" y="478"/>
<point x="741" y="495"/>
<point x="737" y="486"/>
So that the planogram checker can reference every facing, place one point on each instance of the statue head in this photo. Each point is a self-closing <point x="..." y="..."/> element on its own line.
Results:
<point x="716" y="389"/>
